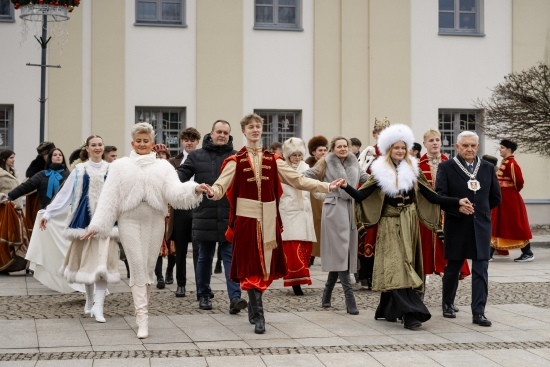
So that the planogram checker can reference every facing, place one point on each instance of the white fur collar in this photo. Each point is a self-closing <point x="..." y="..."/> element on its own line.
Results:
<point x="385" y="176"/>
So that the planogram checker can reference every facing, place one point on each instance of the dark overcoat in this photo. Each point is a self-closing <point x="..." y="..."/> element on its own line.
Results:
<point x="468" y="236"/>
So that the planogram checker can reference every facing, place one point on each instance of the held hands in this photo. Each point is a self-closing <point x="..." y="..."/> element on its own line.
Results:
<point x="466" y="207"/>
<point x="336" y="184"/>
<point x="204" y="188"/>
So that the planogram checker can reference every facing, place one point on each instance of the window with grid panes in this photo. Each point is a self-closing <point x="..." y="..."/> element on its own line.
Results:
<point x="452" y="123"/>
<point x="280" y="126"/>
<point x="160" y="12"/>
<point x="168" y="123"/>
<point x="6" y="127"/>
<point x="461" y="17"/>
<point x="6" y="11"/>
<point x="278" y="14"/>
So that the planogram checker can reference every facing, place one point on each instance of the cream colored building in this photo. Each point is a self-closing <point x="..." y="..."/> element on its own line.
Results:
<point x="309" y="66"/>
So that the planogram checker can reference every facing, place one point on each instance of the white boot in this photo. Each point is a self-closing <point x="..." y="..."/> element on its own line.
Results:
<point x="97" y="309"/>
<point x="89" y="298"/>
<point x="139" y="293"/>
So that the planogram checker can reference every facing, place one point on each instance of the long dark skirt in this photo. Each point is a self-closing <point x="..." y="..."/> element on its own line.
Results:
<point x="396" y="303"/>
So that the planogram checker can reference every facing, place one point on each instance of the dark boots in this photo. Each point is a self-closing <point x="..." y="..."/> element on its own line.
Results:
<point x="329" y="286"/>
<point x="297" y="290"/>
<point x="348" y="293"/>
<point x="256" y="310"/>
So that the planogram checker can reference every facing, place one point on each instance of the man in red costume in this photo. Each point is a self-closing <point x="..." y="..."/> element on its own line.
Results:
<point x="433" y="256"/>
<point x="510" y="223"/>
<point x="251" y="179"/>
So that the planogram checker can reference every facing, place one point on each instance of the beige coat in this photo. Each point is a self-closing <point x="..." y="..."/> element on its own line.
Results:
<point x="295" y="210"/>
<point x="9" y="182"/>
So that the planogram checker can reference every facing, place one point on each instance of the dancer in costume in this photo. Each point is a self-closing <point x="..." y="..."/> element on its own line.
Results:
<point x="397" y="195"/>
<point x="137" y="192"/>
<point x="510" y="224"/>
<point x="88" y="261"/>
<point x="299" y="233"/>
<point x="252" y="181"/>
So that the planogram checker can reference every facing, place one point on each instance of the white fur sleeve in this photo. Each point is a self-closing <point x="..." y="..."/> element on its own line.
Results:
<point x="181" y="195"/>
<point x="108" y="206"/>
<point x="62" y="199"/>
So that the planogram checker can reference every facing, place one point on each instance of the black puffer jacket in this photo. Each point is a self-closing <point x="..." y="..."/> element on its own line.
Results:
<point x="38" y="182"/>
<point x="205" y="165"/>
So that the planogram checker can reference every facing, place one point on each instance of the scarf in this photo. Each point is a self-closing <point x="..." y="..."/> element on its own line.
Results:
<point x="54" y="177"/>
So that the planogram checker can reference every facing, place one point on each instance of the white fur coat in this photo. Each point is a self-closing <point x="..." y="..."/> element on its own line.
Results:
<point x="141" y="178"/>
<point x="388" y="182"/>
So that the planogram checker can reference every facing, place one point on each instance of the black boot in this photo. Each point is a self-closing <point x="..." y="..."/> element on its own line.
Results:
<point x="170" y="269"/>
<point x="329" y="286"/>
<point x="127" y="269"/>
<point x="260" y="320"/>
<point x="218" y="267"/>
<point x="256" y="306"/>
<point x="297" y="290"/>
<point x="348" y="293"/>
<point x="311" y="261"/>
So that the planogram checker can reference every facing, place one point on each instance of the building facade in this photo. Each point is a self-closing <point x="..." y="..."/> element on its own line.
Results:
<point x="308" y="67"/>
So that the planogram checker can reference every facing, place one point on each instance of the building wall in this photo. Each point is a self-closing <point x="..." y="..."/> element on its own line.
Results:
<point x="531" y="45"/>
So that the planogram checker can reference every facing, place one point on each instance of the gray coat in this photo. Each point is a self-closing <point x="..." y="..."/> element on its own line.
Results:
<point x="339" y="238"/>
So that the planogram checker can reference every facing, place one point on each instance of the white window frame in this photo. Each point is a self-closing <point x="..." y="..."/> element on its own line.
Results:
<point x="275" y="25"/>
<point x="158" y="22"/>
<point x="8" y="18"/>
<point x="6" y="131"/>
<point x="165" y="135"/>
<point x="457" y="31"/>
<point x="458" y="125"/>
<point x="277" y="131"/>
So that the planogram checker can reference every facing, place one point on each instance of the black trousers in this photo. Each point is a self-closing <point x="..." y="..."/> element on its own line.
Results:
<point x="524" y="250"/>
<point x="480" y="283"/>
<point x="181" y="235"/>
<point x="366" y="267"/>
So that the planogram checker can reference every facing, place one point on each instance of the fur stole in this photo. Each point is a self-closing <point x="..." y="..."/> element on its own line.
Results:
<point x="385" y="176"/>
<point x="349" y="171"/>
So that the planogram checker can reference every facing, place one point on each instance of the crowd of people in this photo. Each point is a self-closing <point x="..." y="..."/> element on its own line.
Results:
<point x="383" y="218"/>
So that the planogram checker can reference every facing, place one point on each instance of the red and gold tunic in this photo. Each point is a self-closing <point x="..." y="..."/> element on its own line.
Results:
<point x="253" y="176"/>
<point x="510" y="223"/>
<point x="433" y="255"/>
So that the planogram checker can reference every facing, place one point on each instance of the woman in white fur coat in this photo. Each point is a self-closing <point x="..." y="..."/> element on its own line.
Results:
<point x="91" y="261"/>
<point x="339" y="240"/>
<point x="295" y="209"/>
<point x="137" y="192"/>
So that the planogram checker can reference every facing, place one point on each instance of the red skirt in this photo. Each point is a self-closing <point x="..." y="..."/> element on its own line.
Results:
<point x="297" y="254"/>
<point x="368" y="243"/>
<point x="510" y="223"/>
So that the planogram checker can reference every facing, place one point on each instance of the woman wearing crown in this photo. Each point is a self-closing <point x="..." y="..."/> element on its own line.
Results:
<point x="395" y="197"/>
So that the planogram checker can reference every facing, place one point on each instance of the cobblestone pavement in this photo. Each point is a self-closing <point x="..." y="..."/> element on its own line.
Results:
<point x="48" y="329"/>
<point x="276" y="300"/>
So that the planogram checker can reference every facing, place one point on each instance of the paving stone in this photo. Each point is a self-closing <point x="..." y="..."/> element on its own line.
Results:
<point x="178" y="362"/>
<point x="348" y="360"/>
<point x="298" y="360"/>
<point x="513" y="358"/>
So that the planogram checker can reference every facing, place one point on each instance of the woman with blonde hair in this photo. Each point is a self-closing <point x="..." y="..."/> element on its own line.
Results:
<point x="339" y="239"/>
<point x="398" y="195"/>
<point x="137" y="192"/>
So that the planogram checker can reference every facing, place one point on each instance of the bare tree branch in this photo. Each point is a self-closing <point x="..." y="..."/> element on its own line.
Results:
<point x="519" y="109"/>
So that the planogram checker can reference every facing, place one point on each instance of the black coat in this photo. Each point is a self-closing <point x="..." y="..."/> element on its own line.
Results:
<point x="37" y="165"/>
<point x="468" y="236"/>
<point x="210" y="219"/>
<point x="38" y="182"/>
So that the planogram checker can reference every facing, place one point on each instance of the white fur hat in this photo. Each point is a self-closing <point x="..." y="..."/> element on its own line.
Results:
<point x="293" y="145"/>
<point x="393" y="134"/>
